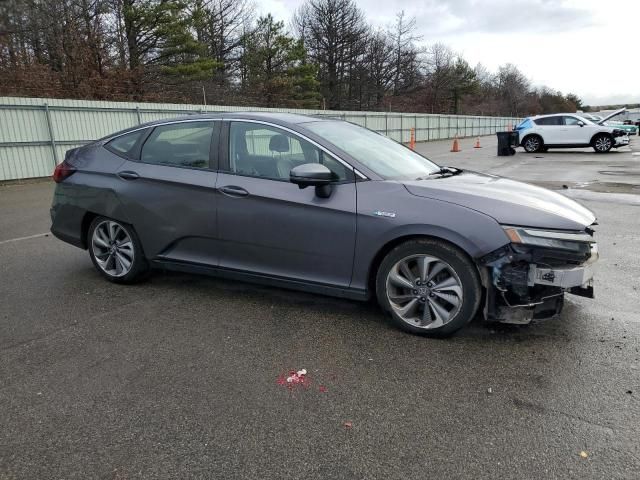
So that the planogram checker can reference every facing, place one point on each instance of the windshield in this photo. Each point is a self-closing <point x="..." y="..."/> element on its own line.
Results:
<point x="389" y="159"/>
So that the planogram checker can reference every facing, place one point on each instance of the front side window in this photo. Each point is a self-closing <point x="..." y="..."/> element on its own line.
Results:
<point x="259" y="150"/>
<point x="179" y="145"/>
<point x="389" y="159"/>
<point x="572" y="121"/>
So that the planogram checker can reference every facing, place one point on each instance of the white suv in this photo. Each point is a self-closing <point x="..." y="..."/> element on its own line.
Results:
<point x="569" y="130"/>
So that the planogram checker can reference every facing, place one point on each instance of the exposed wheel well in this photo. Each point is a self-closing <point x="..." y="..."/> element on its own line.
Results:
<point x="386" y="248"/>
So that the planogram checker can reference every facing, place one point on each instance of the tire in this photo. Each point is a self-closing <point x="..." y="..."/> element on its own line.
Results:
<point x="416" y="305"/>
<point x="532" y="143"/>
<point x="602" y="143"/>
<point x="115" y="251"/>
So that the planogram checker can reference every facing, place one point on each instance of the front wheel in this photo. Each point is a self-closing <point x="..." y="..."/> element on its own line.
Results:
<point x="428" y="287"/>
<point x="115" y="251"/>
<point x="602" y="143"/>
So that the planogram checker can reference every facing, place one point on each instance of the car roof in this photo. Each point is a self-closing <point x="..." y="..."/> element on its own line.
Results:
<point x="278" y="118"/>
<point x="556" y="115"/>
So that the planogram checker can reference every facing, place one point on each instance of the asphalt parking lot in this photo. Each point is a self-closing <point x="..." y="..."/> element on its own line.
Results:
<point x="177" y="377"/>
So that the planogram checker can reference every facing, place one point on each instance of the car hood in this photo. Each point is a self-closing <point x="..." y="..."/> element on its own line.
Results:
<point x="509" y="202"/>
<point x="612" y="114"/>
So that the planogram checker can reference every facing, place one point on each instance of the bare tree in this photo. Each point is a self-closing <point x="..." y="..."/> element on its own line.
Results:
<point x="334" y="33"/>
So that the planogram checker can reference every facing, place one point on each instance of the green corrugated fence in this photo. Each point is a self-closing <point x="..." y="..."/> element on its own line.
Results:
<point x="36" y="132"/>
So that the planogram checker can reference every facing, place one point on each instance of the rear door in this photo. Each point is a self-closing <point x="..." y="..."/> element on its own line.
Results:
<point x="168" y="191"/>
<point x="268" y="225"/>
<point x="552" y="130"/>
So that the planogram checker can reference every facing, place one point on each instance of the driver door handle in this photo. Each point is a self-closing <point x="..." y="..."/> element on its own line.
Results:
<point x="233" y="191"/>
<point x="128" y="175"/>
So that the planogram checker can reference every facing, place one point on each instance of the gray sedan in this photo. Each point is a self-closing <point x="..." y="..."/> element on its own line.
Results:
<point x="324" y="206"/>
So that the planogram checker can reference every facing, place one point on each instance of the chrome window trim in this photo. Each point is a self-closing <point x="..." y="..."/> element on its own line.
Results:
<point x="317" y="145"/>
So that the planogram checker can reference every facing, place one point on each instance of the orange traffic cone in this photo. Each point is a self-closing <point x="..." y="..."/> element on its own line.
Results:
<point x="456" y="146"/>
<point x="477" y="145"/>
<point x="412" y="140"/>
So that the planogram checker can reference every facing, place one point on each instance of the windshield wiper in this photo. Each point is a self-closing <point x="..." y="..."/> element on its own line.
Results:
<point x="444" y="171"/>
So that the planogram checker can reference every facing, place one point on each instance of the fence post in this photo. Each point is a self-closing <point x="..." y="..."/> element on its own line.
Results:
<point x="386" y="124"/>
<point x="401" y="129"/>
<point x="415" y="127"/>
<point x="138" y="114"/>
<point x="51" y="136"/>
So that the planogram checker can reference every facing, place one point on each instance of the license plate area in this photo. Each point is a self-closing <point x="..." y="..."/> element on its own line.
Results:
<point x="560" y="277"/>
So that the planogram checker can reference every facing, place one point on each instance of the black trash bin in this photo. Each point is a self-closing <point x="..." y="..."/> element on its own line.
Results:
<point x="507" y="143"/>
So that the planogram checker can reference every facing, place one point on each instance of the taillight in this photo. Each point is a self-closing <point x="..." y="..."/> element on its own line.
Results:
<point x="62" y="171"/>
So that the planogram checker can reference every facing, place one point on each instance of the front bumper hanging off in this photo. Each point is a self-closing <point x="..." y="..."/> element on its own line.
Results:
<point x="523" y="284"/>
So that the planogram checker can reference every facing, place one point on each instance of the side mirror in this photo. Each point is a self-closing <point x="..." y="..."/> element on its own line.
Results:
<point x="581" y="124"/>
<point x="313" y="175"/>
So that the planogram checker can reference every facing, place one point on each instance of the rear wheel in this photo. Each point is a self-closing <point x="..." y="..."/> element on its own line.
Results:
<point x="602" y="143"/>
<point x="115" y="251"/>
<point x="532" y="143"/>
<point x="428" y="287"/>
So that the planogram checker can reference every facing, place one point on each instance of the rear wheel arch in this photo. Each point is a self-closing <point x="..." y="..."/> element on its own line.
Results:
<point x="84" y="228"/>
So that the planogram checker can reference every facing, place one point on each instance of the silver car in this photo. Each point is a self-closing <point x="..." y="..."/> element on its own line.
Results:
<point x="324" y="206"/>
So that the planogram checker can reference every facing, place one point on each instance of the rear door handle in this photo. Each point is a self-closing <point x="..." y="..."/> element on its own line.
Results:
<point x="128" y="175"/>
<point x="233" y="191"/>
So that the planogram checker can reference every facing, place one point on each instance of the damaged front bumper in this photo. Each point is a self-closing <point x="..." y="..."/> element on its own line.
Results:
<point x="526" y="281"/>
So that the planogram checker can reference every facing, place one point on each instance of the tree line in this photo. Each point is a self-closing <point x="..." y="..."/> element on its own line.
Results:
<point x="222" y="52"/>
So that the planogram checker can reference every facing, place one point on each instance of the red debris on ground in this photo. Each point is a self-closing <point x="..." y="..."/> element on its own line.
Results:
<point x="322" y="389"/>
<point x="294" y="379"/>
<point x="348" y="424"/>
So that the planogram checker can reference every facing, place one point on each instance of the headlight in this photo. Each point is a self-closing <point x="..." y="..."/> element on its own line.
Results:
<point x="576" y="242"/>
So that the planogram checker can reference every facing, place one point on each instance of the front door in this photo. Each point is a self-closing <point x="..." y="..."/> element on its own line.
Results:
<point x="168" y="192"/>
<point x="270" y="226"/>
<point x="576" y="134"/>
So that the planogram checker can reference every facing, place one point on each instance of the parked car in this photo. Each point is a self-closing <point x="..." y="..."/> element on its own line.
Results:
<point x="627" y="128"/>
<point x="323" y="206"/>
<point x="627" y="125"/>
<point x="568" y="130"/>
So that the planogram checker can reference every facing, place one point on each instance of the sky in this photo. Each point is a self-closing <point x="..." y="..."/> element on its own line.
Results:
<point x="587" y="47"/>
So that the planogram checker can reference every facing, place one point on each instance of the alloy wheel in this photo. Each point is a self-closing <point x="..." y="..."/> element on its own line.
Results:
<point x="603" y="144"/>
<point x="112" y="248"/>
<point x="424" y="291"/>
<point x="532" y="144"/>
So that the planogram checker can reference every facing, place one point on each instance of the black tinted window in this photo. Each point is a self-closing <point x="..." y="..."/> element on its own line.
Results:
<point x="262" y="151"/>
<point x="124" y="144"/>
<point x="549" y="121"/>
<point x="179" y="144"/>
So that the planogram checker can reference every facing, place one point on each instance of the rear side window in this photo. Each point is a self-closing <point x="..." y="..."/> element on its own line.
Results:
<point x="179" y="145"/>
<point x="124" y="145"/>
<point x="549" y="121"/>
